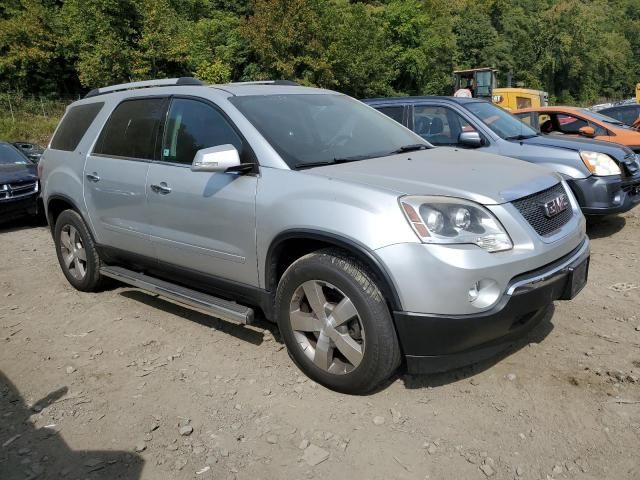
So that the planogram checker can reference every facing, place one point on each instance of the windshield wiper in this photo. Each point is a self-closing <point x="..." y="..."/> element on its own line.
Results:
<point x="409" y="148"/>
<point x="521" y="137"/>
<point x="335" y="161"/>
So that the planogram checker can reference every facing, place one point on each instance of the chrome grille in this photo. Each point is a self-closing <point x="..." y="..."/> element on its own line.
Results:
<point x="532" y="209"/>
<point x="16" y="190"/>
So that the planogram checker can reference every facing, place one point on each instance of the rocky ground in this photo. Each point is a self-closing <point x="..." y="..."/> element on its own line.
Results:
<point x="126" y="385"/>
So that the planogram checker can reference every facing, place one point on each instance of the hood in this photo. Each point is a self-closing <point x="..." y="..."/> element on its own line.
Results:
<point x="481" y="177"/>
<point x="617" y="151"/>
<point x="14" y="173"/>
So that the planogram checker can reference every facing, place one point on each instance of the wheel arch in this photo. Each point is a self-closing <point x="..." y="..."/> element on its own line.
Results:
<point x="56" y="204"/>
<point x="290" y="245"/>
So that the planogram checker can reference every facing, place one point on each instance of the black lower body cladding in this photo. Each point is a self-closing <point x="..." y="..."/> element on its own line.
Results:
<point x="436" y="343"/>
<point x="606" y="195"/>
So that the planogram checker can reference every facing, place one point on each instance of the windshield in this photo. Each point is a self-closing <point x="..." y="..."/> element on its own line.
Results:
<point x="500" y="121"/>
<point x="9" y="155"/>
<point x="312" y="129"/>
<point x="601" y="117"/>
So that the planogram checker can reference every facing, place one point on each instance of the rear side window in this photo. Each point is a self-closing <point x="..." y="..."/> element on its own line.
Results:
<point x="132" y="130"/>
<point x="74" y="125"/>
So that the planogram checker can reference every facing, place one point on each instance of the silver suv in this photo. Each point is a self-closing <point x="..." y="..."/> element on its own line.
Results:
<point x="362" y="242"/>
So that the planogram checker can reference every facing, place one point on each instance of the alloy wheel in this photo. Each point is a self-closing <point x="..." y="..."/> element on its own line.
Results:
<point x="327" y="327"/>
<point x="74" y="254"/>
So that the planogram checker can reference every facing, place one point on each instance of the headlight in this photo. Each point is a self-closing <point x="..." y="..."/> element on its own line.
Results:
<point x="453" y="221"/>
<point x="600" y="164"/>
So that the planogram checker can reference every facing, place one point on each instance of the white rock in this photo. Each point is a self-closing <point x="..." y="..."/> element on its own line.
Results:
<point x="378" y="420"/>
<point x="303" y="444"/>
<point x="314" y="455"/>
<point x="487" y="470"/>
<point x="70" y="370"/>
<point x="186" y="430"/>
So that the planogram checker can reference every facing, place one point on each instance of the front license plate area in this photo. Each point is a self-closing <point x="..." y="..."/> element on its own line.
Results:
<point x="578" y="275"/>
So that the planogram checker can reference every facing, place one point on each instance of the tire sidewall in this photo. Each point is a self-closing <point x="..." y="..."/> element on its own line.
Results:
<point x="70" y="217"/>
<point x="367" y="305"/>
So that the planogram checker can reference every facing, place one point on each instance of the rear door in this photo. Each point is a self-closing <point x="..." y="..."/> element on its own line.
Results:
<point x="115" y="174"/>
<point x="202" y="222"/>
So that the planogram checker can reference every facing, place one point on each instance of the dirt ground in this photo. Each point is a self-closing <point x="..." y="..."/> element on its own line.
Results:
<point x="122" y="384"/>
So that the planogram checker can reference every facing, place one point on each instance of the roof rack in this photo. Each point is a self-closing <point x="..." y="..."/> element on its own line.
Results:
<point x="268" y="82"/>
<point x="146" y="84"/>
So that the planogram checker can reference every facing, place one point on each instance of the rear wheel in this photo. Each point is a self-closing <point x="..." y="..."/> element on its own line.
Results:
<point x="336" y="323"/>
<point x="76" y="252"/>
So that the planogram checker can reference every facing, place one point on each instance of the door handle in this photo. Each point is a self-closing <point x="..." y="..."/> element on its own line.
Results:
<point x="161" y="188"/>
<point x="93" y="177"/>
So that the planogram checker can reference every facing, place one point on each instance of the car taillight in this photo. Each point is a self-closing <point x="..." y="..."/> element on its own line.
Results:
<point x="40" y="167"/>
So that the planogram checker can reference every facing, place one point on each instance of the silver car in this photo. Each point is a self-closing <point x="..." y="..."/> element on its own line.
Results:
<point x="362" y="242"/>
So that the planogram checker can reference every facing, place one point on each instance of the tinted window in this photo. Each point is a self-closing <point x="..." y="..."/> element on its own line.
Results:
<point x="192" y="126"/>
<point x="440" y="125"/>
<point x="627" y="115"/>
<point x="9" y="155"/>
<point x="74" y="125"/>
<point x="392" y="112"/>
<point x="325" y="128"/>
<point x="500" y="121"/>
<point x="570" y="124"/>
<point x="132" y="129"/>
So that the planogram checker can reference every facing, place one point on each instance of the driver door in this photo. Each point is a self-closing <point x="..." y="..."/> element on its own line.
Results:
<point x="201" y="221"/>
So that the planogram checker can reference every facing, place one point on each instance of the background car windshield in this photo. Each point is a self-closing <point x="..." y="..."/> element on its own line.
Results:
<point x="601" y="117"/>
<point x="500" y="121"/>
<point x="312" y="128"/>
<point x="9" y="155"/>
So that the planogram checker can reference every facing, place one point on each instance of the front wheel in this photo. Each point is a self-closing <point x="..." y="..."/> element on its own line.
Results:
<point x="336" y="323"/>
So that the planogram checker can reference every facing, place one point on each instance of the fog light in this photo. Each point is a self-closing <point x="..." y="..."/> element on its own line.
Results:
<point x="484" y="293"/>
<point x="474" y="293"/>
<point x="617" y="199"/>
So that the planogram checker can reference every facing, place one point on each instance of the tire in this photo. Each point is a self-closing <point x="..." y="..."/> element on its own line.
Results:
<point x="72" y="237"/>
<point x="351" y="346"/>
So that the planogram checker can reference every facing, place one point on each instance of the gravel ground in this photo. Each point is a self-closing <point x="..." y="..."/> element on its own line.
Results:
<point x="122" y="384"/>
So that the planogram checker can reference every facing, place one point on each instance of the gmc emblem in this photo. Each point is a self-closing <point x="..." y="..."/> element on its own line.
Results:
<point x="556" y="206"/>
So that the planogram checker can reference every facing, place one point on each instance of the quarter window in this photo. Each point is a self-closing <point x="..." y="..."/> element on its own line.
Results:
<point x="74" y="125"/>
<point x="132" y="130"/>
<point x="192" y="126"/>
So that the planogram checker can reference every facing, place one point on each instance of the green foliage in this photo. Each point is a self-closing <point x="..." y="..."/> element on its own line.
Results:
<point x="577" y="50"/>
<point x="215" y="72"/>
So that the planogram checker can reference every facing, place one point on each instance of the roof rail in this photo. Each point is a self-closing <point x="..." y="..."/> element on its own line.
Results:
<point x="146" y="84"/>
<point x="268" y="82"/>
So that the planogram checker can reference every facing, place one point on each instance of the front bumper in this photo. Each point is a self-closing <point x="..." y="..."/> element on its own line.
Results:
<point x="606" y="195"/>
<point x="14" y="208"/>
<point x="434" y="343"/>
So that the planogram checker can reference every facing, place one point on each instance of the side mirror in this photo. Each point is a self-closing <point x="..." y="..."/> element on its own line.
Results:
<point x="470" y="139"/>
<point x="587" y="132"/>
<point x="216" y="159"/>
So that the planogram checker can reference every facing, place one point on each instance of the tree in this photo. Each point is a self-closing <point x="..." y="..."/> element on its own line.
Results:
<point x="422" y="46"/>
<point x="161" y="47"/>
<point x="290" y="40"/>
<point x="100" y="36"/>
<point x="31" y="58"/>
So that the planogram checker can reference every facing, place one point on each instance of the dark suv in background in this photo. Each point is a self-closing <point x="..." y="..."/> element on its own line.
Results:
<point x="605" y="177"/>
<point x="19" y="187"/>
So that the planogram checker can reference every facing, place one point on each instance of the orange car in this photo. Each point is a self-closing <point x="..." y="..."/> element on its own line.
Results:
<point x="580" y="121"/>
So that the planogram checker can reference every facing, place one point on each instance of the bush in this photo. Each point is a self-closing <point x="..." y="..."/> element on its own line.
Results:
<point x="33" y="120"/>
